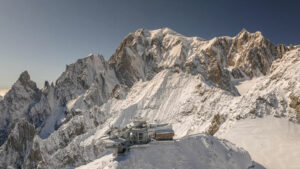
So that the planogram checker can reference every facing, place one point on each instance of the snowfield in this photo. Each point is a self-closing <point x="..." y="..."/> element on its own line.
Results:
<point x="192" y="152"/>
<point x="273" y="142"/>
<point x="244" y="86"/>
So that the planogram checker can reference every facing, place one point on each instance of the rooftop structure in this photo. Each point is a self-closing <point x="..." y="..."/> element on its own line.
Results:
<point x="140" y="132"/>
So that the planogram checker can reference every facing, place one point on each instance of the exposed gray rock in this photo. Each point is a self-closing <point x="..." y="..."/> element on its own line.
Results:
<point x="17" y="145"/>
<point x="17" y="103"/>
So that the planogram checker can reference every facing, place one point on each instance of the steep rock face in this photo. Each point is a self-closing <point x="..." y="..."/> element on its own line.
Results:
<point x="275" y="94"/>
<point x="252" y="53"/>
<point x="81" y="75"/>
<point x="78" y="92"/>
<point x="17" y="145"/>
<point x="295" y="103"/>
<point x="146" y="52"/>
<point x="71" y="144"/>
<point x="44" y="107"/>
<point x="23" y="95"/>
<point x="282" y="49"/>
<point x="86" y="83"/>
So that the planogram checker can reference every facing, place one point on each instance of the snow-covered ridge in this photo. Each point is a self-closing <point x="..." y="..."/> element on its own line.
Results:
<point x="193" y="152"/>
<point x="156" y="74"/>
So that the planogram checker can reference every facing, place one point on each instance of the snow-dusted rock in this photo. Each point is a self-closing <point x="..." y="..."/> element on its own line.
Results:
<point x="144" y="53"/>
<point x="275" y="93"/>
<point x="251" y="54"/>
<point x="17" y="102"/>
<point x="81" y="76"/>
<point x="17" y="146"/>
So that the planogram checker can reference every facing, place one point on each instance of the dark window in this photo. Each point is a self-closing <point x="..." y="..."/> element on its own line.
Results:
<point x="140" y="136"/>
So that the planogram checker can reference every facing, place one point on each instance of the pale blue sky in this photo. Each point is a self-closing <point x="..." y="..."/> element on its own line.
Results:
<point x="42" y="36"/>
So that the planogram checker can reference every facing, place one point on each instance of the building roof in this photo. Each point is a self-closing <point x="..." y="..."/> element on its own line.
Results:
<point x="164" y="131"/>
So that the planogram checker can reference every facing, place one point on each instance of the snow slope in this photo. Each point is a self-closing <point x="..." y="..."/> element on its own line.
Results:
<point x="192" y="152"/>
<point x="244" y="86"/>
<point x="158" y="100"/>
<point x="273" y="142"/>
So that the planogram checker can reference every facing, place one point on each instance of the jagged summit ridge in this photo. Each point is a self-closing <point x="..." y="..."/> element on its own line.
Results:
<point x="24" y="77"/>
<point x="146" y="52"/>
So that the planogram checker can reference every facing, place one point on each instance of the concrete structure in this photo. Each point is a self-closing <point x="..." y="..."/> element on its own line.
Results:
<point x="138" y="132"/>
<point x="139" y="136"/>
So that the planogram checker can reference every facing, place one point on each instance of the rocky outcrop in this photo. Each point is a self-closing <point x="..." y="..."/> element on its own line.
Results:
<point x="17" y="145"/>
<point x="252" y="54"/>
<point x="282" y="49"/>
<point x="70" y="144"/>
<point x="87" y="82"/>
<point x="215" y="124"/>
<point x="295" y="103"/>
<point x="80" y="76"/>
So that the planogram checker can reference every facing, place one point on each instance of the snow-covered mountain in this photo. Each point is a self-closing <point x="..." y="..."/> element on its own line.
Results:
<point x="159" y="75"/>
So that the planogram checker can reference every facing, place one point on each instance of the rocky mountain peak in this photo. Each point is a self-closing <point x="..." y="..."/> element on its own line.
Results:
<point x="243" y="32"/>
<point x="24" y="77"/>
<point x="26" y="83"/>
<point x="46" y="84"/>
<point x="246" y="36"/>
<point x="251" y="55"/>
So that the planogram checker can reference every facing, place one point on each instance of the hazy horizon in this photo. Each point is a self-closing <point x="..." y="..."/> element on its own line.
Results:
<point x="42" y="37"/>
